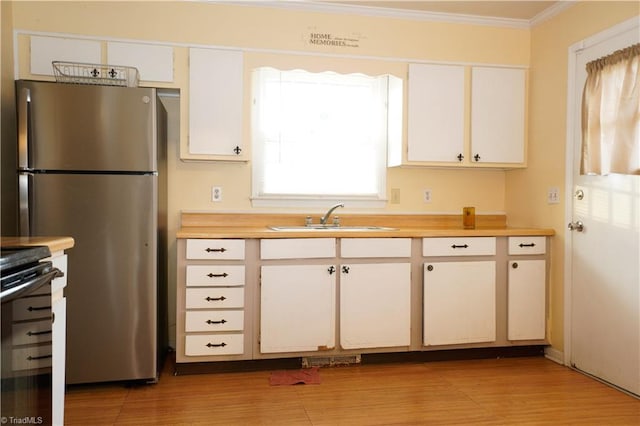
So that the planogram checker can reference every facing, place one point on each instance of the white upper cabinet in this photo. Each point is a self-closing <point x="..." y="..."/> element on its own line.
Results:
<point x="154" y="62"/>
<point x="215" y="105"/>
<point x="497" y="115"/>
<point x="463" y="116"/>
<point x="436" y="102"/>
<point x="44" y="50"/>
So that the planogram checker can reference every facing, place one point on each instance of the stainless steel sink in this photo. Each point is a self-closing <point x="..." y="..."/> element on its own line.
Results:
<point x="330" y="228"/>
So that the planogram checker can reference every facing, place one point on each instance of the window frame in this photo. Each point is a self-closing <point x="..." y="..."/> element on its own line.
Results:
<point x="391" y="96"/>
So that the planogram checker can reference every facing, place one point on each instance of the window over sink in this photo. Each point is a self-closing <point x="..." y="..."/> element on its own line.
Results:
<point x="322" y="136"/>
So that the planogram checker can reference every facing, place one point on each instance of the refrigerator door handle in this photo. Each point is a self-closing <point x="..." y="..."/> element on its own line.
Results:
<point x="24" y="202"/>
<point x="24" y="99"/>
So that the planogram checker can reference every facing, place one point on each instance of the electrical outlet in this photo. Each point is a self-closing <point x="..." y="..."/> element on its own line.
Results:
<point x="395" y="195"/>
<point x="216" y="194"/>
<point x="553" y="195"/>
<point x="427" y="196"/>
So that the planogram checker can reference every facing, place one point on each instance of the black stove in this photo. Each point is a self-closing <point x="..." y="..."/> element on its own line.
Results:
<point x="21" y="264"/>
<point x="13" y="257"/>
<point x="26" y="372"/>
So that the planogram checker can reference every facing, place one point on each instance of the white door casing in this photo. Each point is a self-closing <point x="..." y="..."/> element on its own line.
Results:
<point x="602" y="261"/>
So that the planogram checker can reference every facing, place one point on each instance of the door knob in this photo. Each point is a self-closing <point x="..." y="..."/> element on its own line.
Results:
<point x="576" y="226"/>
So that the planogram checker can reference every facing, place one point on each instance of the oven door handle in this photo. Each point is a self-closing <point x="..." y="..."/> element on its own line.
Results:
<point x="30" y="286"/>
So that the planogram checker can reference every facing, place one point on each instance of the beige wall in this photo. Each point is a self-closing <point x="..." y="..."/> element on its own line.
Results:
<point x="387" y="43"/>
<point x="521" y="194"/>
<point x="526" y="189"/>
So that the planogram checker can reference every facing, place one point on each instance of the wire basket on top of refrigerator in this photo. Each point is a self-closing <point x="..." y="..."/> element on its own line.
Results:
<point x="100" y="74"/>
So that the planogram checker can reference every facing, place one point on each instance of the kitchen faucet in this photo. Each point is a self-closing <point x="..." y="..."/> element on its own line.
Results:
<point x="323" y="219"/>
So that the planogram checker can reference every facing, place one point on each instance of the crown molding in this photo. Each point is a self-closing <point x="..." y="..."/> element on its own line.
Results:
<point x="551" y="12"/>
<point x="351" y="9"/>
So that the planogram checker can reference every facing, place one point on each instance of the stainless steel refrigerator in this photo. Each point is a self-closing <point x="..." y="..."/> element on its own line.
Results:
<point x="92" y="165"/>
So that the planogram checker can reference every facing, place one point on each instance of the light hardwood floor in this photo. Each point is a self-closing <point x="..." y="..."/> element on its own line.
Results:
<point x="533" y="391"/>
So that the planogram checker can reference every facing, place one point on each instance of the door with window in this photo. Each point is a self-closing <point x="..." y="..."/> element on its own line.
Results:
<point x="604" y="251"/>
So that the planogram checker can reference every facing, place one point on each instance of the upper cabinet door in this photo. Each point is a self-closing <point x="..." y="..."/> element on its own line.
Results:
<point x="215" y="105"/>
<point x="436" y="113"/>
<point x="497" y="115"/>
<point x="154" y="62"/>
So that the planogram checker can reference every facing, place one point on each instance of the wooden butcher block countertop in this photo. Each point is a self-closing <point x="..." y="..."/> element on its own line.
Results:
<point x="247" y="225"/>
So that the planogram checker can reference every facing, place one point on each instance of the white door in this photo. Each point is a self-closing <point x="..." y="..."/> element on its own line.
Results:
<point x="459" y="302"/>
<point x="526" y="299"/>
<point x="604" y="257"/>
<point x="375" y="305"/>
<point x="297" y="308"/>
<point x="497" y="115"/>
<point x="436" y="113"/>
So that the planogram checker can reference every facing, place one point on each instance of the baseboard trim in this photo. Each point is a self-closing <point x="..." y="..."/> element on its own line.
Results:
<point x="370" y="358"/>
<point x="554" y="355"/>
<point x="454" y="354"/>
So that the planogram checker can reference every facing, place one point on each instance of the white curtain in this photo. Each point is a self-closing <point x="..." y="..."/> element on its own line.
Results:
<point x="611" y="114"/>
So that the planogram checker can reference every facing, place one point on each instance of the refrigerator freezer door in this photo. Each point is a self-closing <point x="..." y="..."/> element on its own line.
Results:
<point x="86" y="128"/>
<point x="111" y="291"/>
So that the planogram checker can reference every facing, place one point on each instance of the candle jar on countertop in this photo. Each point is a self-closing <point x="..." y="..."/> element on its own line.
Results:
<point x="469" y="217"/>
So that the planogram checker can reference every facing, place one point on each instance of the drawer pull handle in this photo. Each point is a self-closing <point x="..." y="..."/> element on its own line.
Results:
<point x="215" y="299"/>
<point x="39" y="308"/>
<point x="222" y="321"/>
<point x="216" y="345"/>
<point x="34" y="358"/>
<point x="38" y="333"/>
<point x="215" y="250"/>
<point x="462" y="246"/>
<point x="528" y="245"/>
<point x="212" y="275"/>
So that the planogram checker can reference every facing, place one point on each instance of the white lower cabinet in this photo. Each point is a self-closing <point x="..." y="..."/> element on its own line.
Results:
<point x="297" y="308"/>
<point x="526" y="300"/>
<point x="459" y="302"/>
<point x="211" y="301"/>
<point x="318" y="296"/>
<point x="375" y="305"/>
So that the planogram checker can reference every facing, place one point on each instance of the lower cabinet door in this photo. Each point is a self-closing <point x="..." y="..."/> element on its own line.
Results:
<point x="297" y="308"/>
<point x="459" y="302"/>
<point x="526" y="300"/>
<point x="214" y="344"/>
<point x="375" y="305"/>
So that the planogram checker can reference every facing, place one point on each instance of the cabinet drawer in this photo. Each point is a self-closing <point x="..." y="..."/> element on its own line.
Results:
<point x="527" y="245"/>
<point x="214" y="344"/>
<point x="28" y="308"/>
<point x="215" y="297"/>
<point x="375" y="247"/>
<point x="27" y="333"/>
<point x="298" y="248"/>
<point x="215" y="275"/>
<point x="214" y="321"/>
<point x="31" y="357"/>
<point x="459" y="246"/>
<point x="215" y="249"/>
